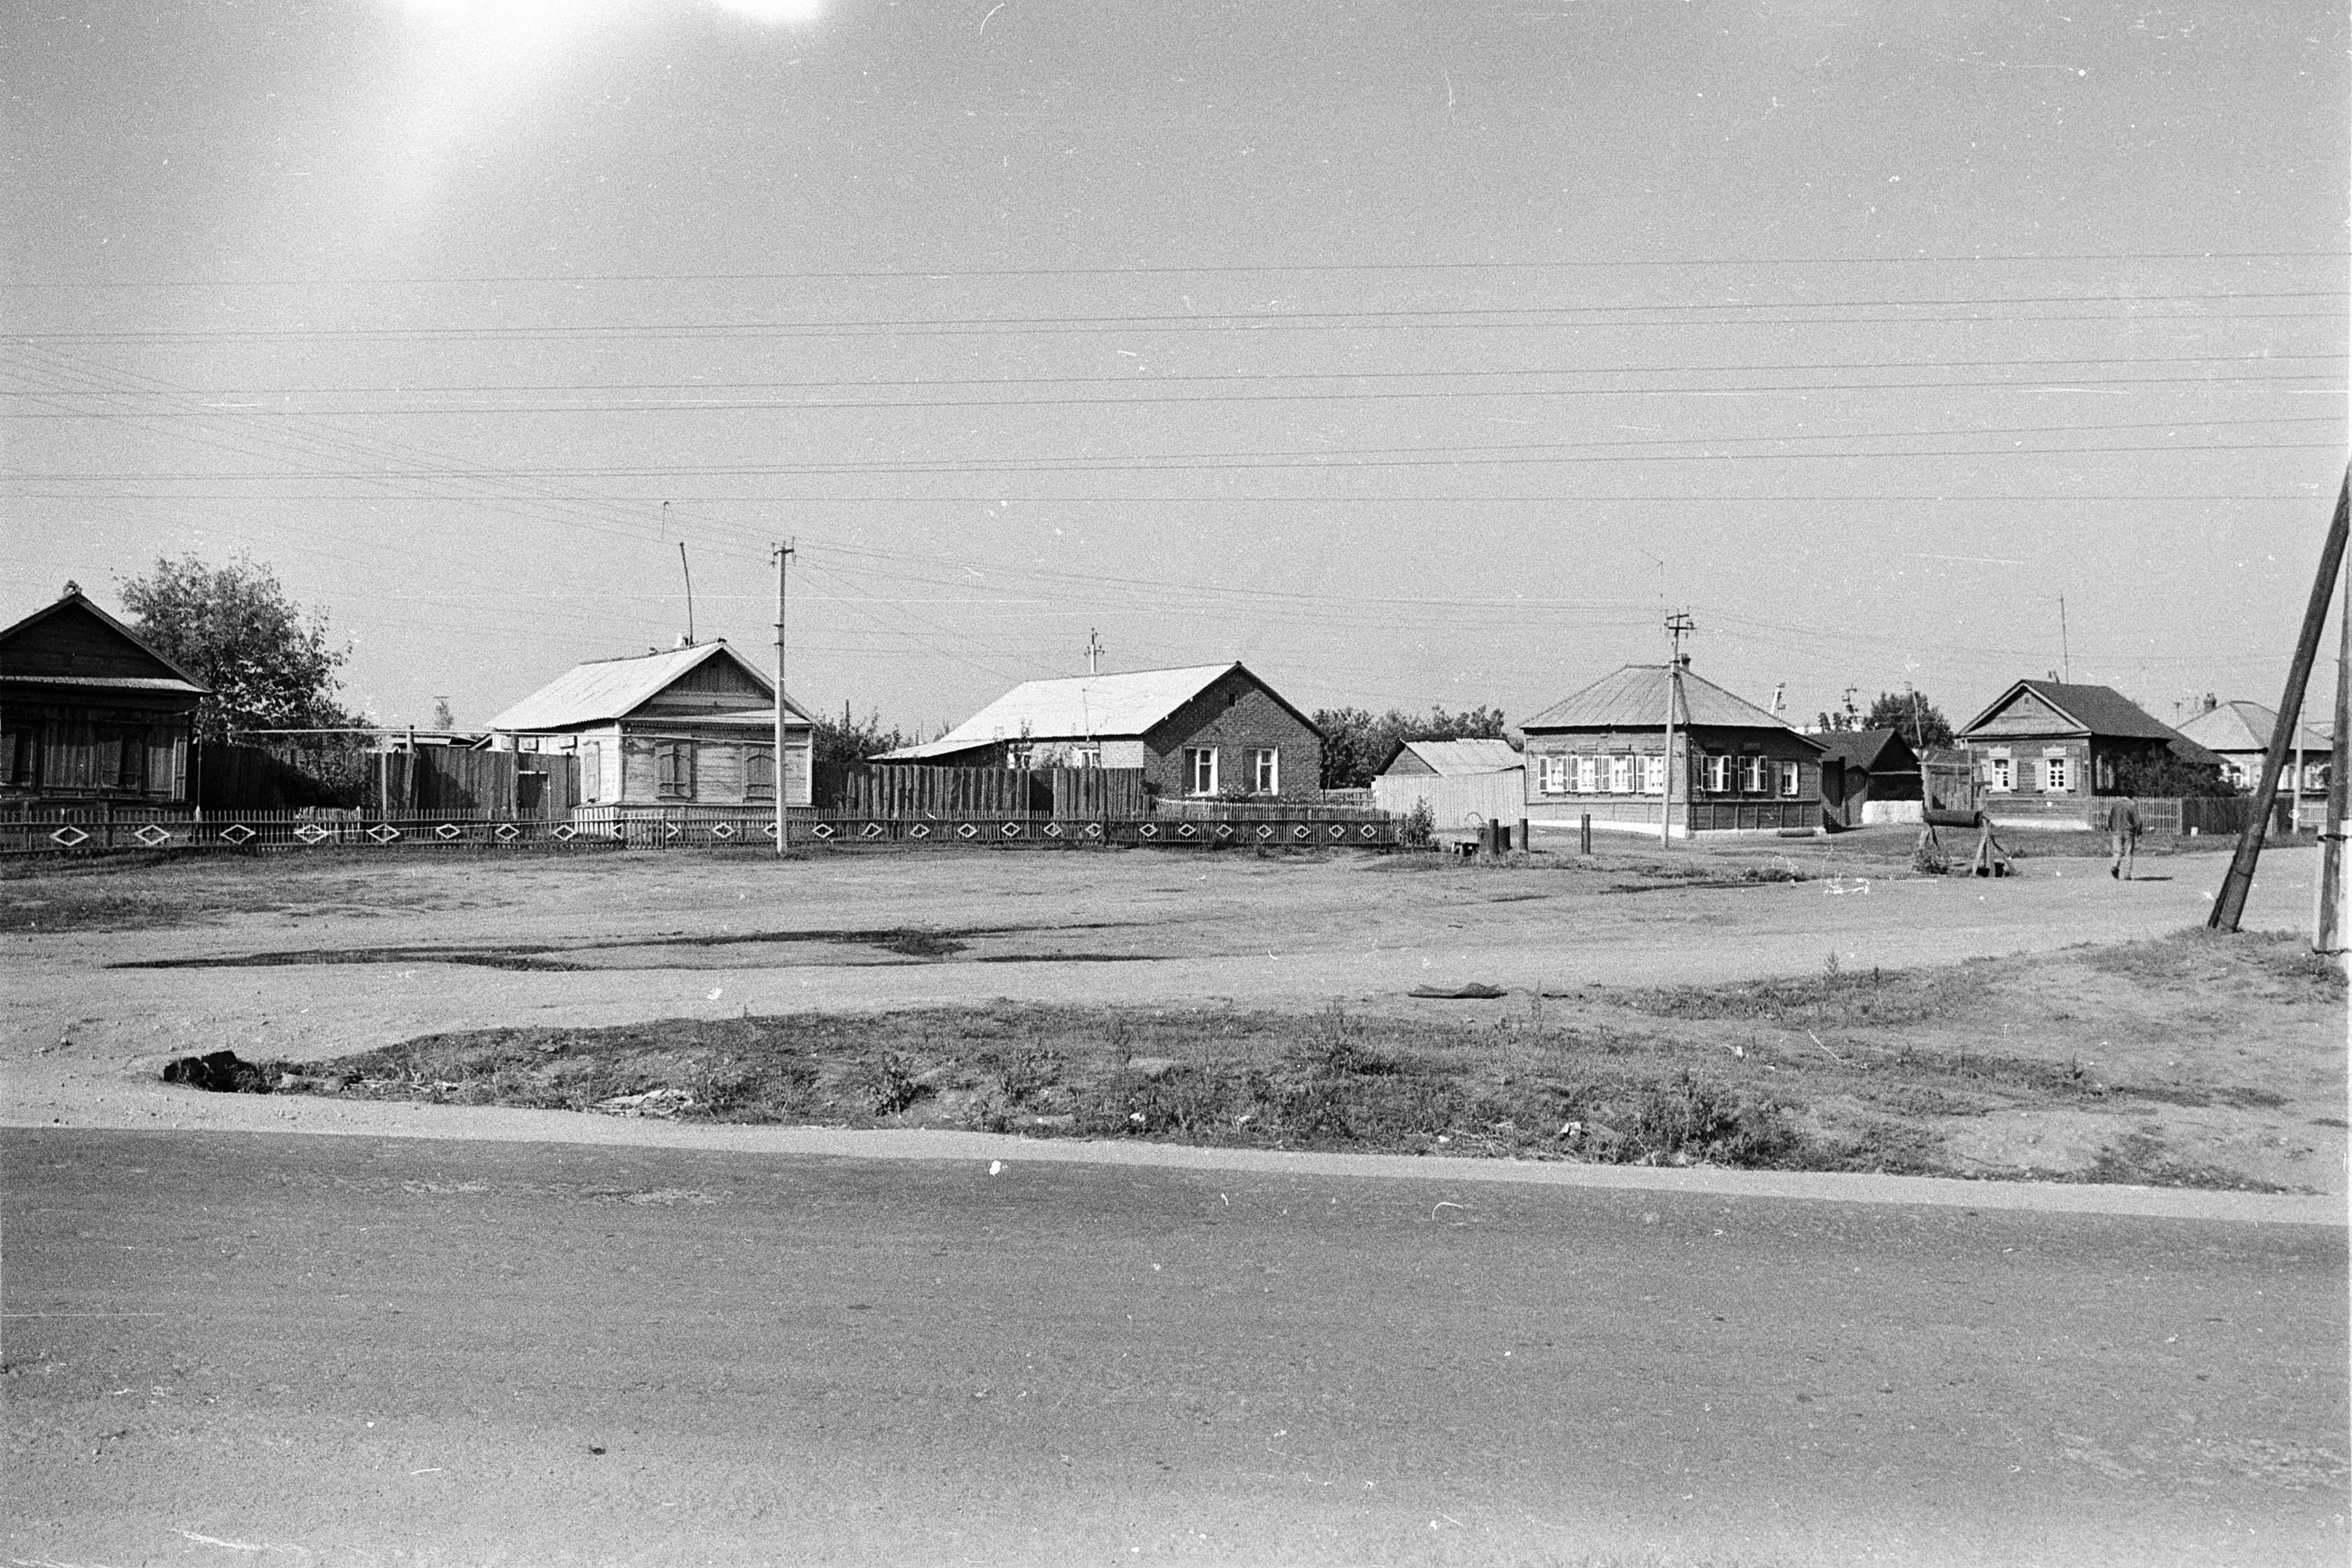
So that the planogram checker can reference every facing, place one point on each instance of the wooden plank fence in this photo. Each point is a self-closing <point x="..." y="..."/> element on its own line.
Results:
<point x="919" y="793"/>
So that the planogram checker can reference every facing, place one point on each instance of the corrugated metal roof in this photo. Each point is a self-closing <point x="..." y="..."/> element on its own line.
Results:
<point x="610" y="688"/>
<point x="2243" y="727"/>
<point x="1455" y="758"/>
<point x="1634" y="697"/>
<point x="1076" y="708"/>
<point x="2094" y="709"/>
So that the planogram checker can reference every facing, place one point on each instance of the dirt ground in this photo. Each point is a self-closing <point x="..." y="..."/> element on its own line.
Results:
<point x="115" y="968"/>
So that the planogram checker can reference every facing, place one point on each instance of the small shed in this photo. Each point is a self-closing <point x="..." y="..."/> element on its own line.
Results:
<point x="1450" y="759"/>
<point x="1203" y="730"/>
<point x="1464" y="784"/>
<point x="692" y="726"/>
<point x="1866" y="768"/>
<point x="91" y="714"/>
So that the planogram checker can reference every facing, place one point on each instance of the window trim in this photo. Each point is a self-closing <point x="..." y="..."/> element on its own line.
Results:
<point x="1620" y="772"/>
<point x="1192" y="770"/>
<point x="1266" y="770"/>
<point x="673" y="770"/>
<point x="1792" y="779"/>
<point x="1587" y="775"/>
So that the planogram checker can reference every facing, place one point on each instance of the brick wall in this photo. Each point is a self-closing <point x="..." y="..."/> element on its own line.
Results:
<point x="1234" y="717"/>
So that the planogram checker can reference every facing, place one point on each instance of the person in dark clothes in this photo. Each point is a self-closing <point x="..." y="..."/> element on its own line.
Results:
<point x="2123" y="836"/>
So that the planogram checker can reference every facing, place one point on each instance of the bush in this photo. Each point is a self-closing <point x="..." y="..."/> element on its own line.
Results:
<point x="1415" y="828"/>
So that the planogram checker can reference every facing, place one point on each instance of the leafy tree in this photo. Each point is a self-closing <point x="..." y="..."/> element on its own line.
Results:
<point x="269" y="663"/>
<point x="1356" y="742"/>
<point x="846" y="740"/>
<point x="2165" y="774"/>
<point x="1919" y="721"/>
<point x="443" y="719"/>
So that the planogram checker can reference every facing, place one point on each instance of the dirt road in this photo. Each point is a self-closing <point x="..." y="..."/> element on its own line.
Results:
<point x="229" y="1348"/>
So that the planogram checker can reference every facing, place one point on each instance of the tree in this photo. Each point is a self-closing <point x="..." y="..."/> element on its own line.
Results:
<point x="443" y="719"/>
<point x="1356" y="743"/>
<point x="1920" y="721"/>
<point x="847" y="741"/>
<point x="2165" y="774"/>
<point x="269" y="663"/>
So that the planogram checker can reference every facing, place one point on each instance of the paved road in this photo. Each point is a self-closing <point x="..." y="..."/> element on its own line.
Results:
<point x="225" y="1347"/>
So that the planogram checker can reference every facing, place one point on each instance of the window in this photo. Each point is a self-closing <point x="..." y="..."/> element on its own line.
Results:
<point x="526" y="743"/>
<point x="1654" y="775"/>
<point x="2000" y="780"/>
<point x="760" y="773"/>
<point x="1620" y="776"/>
<point x="1265" y="770"/>
<point x="1587" y="775"/>
<point x="673" y="770"/>
<point x="1551" y="775"/>
<point x="2058" y="774"/>
<point x="1718" y="774"/>
<point x="1200" y="770"/>
<point x="1790" y="779"/>
<point x="1752" y="776"/>
<point x="1087" y="757"/>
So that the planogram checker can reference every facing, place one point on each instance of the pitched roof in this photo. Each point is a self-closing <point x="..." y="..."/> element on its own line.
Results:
<point x="609" y="688"/>
<point x="2243" y="727"/>
<point x="2096" y="710"/>
<point x="1634" y="697"/>
<point x="1450" y="758"/>
<point x="180" y="680"/>
<point x="1873" y="751"/>
<point x="1078" y="708"/>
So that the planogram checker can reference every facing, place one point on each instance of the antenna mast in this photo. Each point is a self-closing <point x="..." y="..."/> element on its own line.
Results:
<point x="688" y="570"/>
<point x="1094" y="652"/>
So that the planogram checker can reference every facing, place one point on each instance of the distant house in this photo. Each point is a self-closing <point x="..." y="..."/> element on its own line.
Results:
<point x="694" y="726"/>
<point x="1462" y="782"/>
<point x="2240" y="734"/>
<point x="1208" y="730"/>
<point x="2052" y="738"/>
<point x="1860" y="768"/>
<point x="1734" y="767"/>
<point x="90" y="713"/>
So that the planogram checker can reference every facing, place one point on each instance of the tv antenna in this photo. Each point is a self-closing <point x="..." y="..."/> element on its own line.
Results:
<point x="1094" y="651"/>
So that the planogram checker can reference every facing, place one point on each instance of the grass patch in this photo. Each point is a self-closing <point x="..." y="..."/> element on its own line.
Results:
<point x="1833" y="999"/>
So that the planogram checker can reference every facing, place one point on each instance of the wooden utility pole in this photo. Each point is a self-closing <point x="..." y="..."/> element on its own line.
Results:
<point x="782" y="554"/>
<point x="1678" y="626"/>
<point x="2329" y="920"/>
<point x="2230" y="904"/>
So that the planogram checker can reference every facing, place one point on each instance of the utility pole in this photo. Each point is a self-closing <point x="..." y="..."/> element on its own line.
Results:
<point x="2327" y="927"/>
<point x="1094" y="652"/>
<point x="2065" y="654"/>
<point x="1678" y="626"/>
<point x="782" y="554"/>
<point x="2230" y="904"/>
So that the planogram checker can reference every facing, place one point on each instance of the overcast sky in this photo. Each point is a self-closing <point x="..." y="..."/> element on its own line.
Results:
<point x="1413" y="353"/>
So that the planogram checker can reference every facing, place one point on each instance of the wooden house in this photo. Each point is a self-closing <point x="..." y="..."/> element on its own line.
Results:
<point x="1734" y="768"/>
<point x="694" y="726"/>
<point x="91" y="714"/>
<point x="2053" y="741"/>
<point x="1207" y="731"/>
<point x="2240" y="734"/>
<point x="1862" y="768"/>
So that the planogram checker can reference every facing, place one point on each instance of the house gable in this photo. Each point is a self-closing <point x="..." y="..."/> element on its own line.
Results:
<point x="2024" y="712"/>
<point x="74" y="641"/>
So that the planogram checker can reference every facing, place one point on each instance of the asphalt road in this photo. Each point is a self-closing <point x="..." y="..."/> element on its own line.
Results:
<point x="271" y="1349"/>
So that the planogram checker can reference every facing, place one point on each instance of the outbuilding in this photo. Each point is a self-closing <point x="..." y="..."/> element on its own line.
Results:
<point x="1734" y="768"/>
<point x="1202" y="732"/>
<point x="1463" y="784"/>
<point x="1868" y="776"/>
<point x="91" y="714"/>
<point x="692" y="726"/>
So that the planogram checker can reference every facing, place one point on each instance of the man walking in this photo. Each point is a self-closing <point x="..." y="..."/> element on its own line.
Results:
<point x="2123" y="834"/>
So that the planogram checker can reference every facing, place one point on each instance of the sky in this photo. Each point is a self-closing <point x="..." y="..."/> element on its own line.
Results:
<point x="1415" y="354"/>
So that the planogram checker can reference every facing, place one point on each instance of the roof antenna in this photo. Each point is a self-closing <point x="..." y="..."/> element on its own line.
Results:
<point x="682" y="566"/>
<point x="2065" y="660"/>
<point x="1094" y="652"/>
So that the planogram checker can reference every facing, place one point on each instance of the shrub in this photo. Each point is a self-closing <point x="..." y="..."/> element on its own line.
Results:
<point x="1416" y="826"/>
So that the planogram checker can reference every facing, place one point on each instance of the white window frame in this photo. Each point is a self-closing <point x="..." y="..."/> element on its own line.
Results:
<point x="2001" y="780"/>
<point x="1087" y="757"/>
<point x="1266" y="770"/>
<point x="1620" y="774"/>
<point x="1751" y="774"/>
<point x="1587" y="775"/>
<point x="1792" y="778"/>
<point x="2058" y="772"/>
<point x="1551" y="775"/>
<point x="1717" y="773"/>
<point x="1653" y="774"/>
<point x="1200" y="763"/>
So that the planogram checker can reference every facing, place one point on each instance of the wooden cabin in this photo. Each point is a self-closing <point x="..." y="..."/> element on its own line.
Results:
<point x="2053" y="741"/>
<point x="1734" y="768"/>
<point x="693" y="726"/>
<point x="91" y="714"/>
<point x="1207" y="731"/>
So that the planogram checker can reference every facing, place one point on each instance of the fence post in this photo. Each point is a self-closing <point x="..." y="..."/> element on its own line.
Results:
<point x="1584" y="834"/>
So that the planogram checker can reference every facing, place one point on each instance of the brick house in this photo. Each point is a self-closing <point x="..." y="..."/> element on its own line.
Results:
<point x="1734" y="768"/>
<point x="2052" y="740"/>
<point x="89" y="714"/>
<point x="1206" y="731"/>
<point x="693" y="726"/>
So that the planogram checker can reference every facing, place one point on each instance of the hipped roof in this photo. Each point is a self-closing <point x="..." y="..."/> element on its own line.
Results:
<point x="1081" y="708"/>
<point x="178" y="680"/>
<point x="608" y="689"/>
<point x="2243" y="726"/>
<point x="1634" y="697"/>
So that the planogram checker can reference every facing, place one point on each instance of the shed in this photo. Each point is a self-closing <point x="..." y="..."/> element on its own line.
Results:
<point x="1464" y="784"/>
<point x="694" y="725"/>
<point x="91" y="713"/>
<point x="1602" y="751"/>
<point x="1862" y="768"/>
<point x="1450" y="759"/>
<point x="1202" y="731"/>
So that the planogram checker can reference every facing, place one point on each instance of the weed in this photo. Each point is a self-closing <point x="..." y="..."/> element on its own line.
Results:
<point x="889" y="1084"/>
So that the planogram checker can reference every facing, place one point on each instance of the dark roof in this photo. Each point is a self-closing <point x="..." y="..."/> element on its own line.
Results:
<point x="1872" y="750"/>
<point x="2096" y="710"/>
<point x="1634" y="697"/>
<point x="76" y="600"/>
